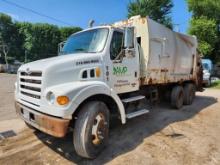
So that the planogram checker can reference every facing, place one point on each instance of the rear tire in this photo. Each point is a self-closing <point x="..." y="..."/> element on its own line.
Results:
<point x="91" y="129"/>
<point x="177" y="97"/>
<point x="189" y="93"/>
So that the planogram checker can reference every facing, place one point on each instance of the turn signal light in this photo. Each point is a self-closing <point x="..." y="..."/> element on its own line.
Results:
<point x="62" y="100"/>
<point x="98" y="72"/>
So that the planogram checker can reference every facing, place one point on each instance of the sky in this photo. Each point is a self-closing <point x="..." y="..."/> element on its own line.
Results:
<point x="79" y="12"/>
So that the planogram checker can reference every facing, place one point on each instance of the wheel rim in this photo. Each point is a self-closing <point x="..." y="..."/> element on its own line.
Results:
<point x="99" y="129"/>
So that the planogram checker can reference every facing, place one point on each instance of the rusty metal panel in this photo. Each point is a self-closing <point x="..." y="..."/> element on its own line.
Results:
<point x="166" y="56"/>
<point x="51" y="125"/>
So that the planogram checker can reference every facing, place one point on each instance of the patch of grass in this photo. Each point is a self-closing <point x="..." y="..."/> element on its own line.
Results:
<point x="215" y="85"/>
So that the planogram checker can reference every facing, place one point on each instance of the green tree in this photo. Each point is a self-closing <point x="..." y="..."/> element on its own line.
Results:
<point x="208" y="8"/>
<point x="6" y="26"/>
<point x="205" y="25"/>
<point x="37" y="41"/>
<point x="40" y="40"/>
<point x="158" y="10"/>
<point x="207" y="33"/>
<point x="9" y="35"/>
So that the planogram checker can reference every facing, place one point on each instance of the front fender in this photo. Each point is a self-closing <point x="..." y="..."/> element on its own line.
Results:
<point x="80" y="91"/>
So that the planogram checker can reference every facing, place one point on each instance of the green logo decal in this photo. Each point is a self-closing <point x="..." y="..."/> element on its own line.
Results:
<point x="119" y="71"/>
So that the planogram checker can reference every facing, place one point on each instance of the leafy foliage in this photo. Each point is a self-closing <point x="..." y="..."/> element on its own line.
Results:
<point x="40" y="40"/>
<point x="37" y="41"/>
<point x="157" y="10"/>
<point x="207" y="33"/>
<point x="208" y="8"/>
<point x="9" y="35"/>
<point x="205" y="24"/>
<point x="215" y="85"/>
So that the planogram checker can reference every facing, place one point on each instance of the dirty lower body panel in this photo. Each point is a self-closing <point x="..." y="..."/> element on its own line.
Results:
<point x="51" y="125"/>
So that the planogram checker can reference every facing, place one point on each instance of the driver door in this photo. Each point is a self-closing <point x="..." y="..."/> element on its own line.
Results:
<point x="124" y="68"/>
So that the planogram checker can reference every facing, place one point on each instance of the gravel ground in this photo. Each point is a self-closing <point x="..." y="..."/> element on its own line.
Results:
<point x="165" y="136"/>
<point x="8" y="117"/>
<point x="6" y="96"/>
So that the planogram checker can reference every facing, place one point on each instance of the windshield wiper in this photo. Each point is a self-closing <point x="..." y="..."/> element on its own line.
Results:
<point x="79" y="49"/>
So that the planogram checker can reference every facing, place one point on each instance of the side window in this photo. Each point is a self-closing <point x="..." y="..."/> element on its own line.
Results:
<point x="116" y="44"/>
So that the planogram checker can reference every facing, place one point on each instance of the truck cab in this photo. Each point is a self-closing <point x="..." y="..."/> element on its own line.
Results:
<point x="207" y="71"/>
<point x="118" y="62"/>
<point x="94" y="65"/>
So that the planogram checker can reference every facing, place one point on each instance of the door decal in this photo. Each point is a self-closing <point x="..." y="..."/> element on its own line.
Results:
<point x="120" y="70"/>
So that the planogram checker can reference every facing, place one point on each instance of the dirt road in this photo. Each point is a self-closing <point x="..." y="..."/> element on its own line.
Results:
<point x="8" y="117"/>
<point x="6" y="96"/>
<point x="165" y="136"/>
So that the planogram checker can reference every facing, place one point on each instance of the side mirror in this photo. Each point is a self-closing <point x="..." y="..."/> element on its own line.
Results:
<point x="60" y="47"/>
<point x="129" y="37"/>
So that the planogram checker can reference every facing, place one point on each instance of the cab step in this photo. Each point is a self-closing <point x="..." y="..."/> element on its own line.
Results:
<point x="137" y="113"/>
<point x="132" y="99"/>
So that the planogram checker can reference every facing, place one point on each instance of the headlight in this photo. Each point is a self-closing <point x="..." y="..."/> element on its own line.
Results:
<point x="51" y="97"/>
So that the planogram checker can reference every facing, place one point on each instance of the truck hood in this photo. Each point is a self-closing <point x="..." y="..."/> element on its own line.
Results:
<point x="61" y="69"/>
<point x="48" y="62"/>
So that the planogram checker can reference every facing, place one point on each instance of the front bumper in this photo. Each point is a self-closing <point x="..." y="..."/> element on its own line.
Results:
<point x="51" y="125"/>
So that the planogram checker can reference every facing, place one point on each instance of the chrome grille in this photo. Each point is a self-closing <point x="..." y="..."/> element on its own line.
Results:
<point x="30" y="81"/>
<point x="30" y="85"/>
<point x="37" y="74"/>
<point x="31" y="88"/>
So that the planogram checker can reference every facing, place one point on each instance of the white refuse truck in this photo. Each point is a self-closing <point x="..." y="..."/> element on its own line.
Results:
<point x="102" y="71"/>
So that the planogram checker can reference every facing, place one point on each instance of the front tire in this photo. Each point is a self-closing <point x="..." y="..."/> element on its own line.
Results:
<point x="91" y="129"/>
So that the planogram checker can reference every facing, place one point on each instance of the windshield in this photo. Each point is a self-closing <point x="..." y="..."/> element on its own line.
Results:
<point x="91" y="41"/>
<point x="205" y="66"/>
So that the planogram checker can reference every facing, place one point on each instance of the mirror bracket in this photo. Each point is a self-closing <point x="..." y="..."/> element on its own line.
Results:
<point x="60" y="46"/>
